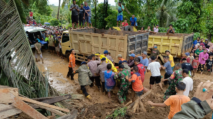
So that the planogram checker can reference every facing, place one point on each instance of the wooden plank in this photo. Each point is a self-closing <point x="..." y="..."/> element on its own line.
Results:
<point x="6" y="98"/>
<point x="9" y="113"/>
<point x="52" y="110"/>
<point x="4" y="107"/>
<point x="18" y="103"/>
<point x="43" y="104"/>
<point x="4" y="89"/>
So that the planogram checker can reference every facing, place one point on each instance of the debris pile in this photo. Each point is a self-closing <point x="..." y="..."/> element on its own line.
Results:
<point x="12" y="104"/>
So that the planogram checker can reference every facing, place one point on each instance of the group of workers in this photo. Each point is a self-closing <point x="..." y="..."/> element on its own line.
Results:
<point x="130" y="75"/>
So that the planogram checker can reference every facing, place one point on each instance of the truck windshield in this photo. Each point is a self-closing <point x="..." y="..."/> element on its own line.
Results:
<point x="65" y="37"/>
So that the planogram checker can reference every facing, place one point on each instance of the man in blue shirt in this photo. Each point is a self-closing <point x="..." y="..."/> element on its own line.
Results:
<point x="144" y="60"/>
<point x="120" y="13"/>
<point x="87" y="14"/>
<point x="168" y="69"/>
<point x="133" y="20"/>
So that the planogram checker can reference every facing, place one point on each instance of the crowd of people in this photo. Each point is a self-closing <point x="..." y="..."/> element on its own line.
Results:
<point x="81" y="16"/>
<point x="130" y="75"/>
<point x="51" y="39"/>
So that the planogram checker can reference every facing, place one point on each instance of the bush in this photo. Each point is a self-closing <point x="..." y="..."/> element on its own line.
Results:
<point x="69" y="26"/>
<point x="162" y="29"/>
<point x="54" y="22"/>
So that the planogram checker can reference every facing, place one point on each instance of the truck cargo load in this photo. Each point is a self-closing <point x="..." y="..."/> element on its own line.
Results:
<point x="89" y="41"/>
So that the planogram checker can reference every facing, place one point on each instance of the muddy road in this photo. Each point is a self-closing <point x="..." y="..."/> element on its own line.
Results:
<point x="56" y="69"/>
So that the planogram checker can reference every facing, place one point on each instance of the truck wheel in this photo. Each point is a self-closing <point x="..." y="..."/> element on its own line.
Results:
<point x="159" y="60"/>
<point x="67" y="56"/>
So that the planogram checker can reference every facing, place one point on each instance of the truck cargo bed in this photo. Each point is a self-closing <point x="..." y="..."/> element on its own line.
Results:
<point x="89" y="41"/>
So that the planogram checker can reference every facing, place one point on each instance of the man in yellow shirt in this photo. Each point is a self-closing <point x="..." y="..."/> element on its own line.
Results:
<point x="171" y="59"/>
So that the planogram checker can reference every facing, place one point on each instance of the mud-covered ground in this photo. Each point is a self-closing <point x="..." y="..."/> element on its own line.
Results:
<point x="101" y="106"/>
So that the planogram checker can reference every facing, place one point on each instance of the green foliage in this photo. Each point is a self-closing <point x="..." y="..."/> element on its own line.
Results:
<point x="196" y="35"/>
<point x="191" y="11"/>
<point x="111" y="19"/>
<point x="118" y="112"/>
<point x="54" y="22"/>
<point x="181" y="26"/>
<point x="162" y="29"/>
<point x="100" y="15"/>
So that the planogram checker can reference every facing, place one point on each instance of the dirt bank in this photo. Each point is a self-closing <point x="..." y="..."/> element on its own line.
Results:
<point x="101" y="106"/>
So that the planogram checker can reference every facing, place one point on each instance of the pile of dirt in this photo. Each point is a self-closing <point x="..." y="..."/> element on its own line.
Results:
<point x="102" y="110"/>
<point x="98" y="110"/>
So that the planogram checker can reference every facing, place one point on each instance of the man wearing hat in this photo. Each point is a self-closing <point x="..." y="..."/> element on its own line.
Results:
<point x="83" y="78"/>
<point x="154" y="51"/>
<point x="71" y="64"/>
<point x="101" y="68"/>
<point x="130" y="62"/>
<point x="120" y="57"/>
<point x="171" y="59"/>
<point x="106" y="54"/>
<point x="144" y="60"/>
<point x="124" y="86"/>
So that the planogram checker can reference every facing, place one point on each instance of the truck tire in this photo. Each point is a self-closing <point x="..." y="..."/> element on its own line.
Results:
<point x="67" y="55"/>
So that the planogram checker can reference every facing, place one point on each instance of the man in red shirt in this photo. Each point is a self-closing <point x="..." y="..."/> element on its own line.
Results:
<point x="31" y="14"/>
<point x="125" y="23"/>
<point x="141" y="68"/>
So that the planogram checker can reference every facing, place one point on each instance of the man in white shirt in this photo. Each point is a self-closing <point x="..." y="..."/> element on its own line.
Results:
<point x="154" y="67"/>
<point x="155" y="29"/>
<point x="188" y="81"/>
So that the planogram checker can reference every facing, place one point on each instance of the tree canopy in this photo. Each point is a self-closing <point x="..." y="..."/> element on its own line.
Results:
<point x="186" y="16"/>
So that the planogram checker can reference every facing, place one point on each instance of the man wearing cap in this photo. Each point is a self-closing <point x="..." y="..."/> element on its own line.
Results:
<point x="144" y="60"/>
<point x="83" y="78"/>
<point x="101" y="68"/>
<point x="126" y="67"/>
<point x="106" y="53"/>
<point x="93" y="66"/>
<point x="120" y="57"/>
<point x="71" y="64"/>
<point x="75" y="9"/>
<point x="130" y="62"/>
<point x="124" y="86"/>
<point x="171" y="59"/>
<point x="154" y="52"/>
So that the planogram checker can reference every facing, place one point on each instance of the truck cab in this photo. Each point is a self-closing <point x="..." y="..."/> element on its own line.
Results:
<point x="66" y="44"/>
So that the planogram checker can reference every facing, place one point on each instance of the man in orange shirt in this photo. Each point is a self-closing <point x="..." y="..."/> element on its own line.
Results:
<point x="71" y="64"/>
<point x="137" y="85"/>
<point x="174" y="101"/>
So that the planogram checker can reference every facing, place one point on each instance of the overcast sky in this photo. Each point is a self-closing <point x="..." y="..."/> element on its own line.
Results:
<point x="55" y="2"/>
